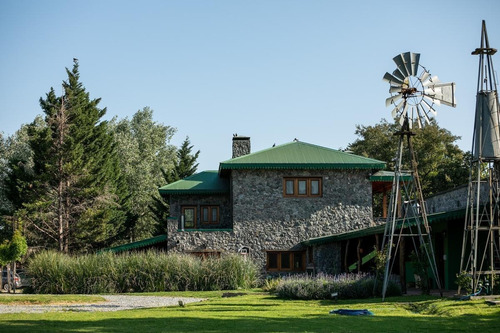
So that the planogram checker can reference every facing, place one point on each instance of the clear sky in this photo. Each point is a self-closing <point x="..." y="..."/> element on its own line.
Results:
<point x="271" y="70"/>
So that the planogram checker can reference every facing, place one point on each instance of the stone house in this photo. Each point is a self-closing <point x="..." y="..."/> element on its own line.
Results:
<point x="267" y="204"/>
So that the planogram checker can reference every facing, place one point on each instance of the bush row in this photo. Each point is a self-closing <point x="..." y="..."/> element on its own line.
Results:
<point x="344" y="286"/>
<point x="57" y="273"/>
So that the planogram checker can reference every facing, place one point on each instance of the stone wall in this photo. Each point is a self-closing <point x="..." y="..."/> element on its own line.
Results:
<point x="453" y="199"/>
<point x="264" y="220"/>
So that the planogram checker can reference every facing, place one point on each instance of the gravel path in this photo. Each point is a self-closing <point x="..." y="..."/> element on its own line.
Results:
<point x="113" y="303"/>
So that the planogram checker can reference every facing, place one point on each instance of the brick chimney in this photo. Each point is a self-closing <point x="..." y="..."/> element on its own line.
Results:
<point x="241" y="145"/>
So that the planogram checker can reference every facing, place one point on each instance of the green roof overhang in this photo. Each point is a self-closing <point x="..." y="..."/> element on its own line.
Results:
<point x="206" y="182"/>
<point x="300" y="155"/>
<point x="379" y="229"/>
<point x="388" y="176"/>
<point x="136" y="245"/>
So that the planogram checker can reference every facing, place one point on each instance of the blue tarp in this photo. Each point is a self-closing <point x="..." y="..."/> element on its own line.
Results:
<point x="348" y="312"/>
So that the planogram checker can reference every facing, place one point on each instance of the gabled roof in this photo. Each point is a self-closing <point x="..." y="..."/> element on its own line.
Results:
<point x="300" y="155"/>
<point x="206" y="182"/>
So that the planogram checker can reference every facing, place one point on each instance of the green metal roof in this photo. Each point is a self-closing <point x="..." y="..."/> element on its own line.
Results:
<point x="300" y="155"/>
<point x="388" y="176"/>
<point x="379" y="229"/>
<point x="206" y="182"/>
<point x="136" y="245"/>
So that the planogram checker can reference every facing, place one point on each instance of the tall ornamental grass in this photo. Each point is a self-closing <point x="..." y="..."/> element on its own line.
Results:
<point x="151" y="271"/>
<point x="343" y="286"/>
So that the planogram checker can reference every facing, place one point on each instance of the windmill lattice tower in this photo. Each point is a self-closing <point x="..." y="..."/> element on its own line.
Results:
<point x="481" y="240"/>
<point x="414" y="93"/>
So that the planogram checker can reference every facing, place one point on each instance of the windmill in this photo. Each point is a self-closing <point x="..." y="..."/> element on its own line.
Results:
<point x="414" y="95"/>
<point x="481" y="240"/>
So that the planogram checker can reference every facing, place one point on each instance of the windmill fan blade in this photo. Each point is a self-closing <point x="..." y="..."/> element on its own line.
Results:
<point x="394" y="112"/>
<point x="415" y="59"/>
<point x="410" y="118"/>
<point x="432" y="90"/>
<point x="431" y="110"/>
<point x="401" y="64"/>
<point x="425" y="116"/>
<point x="417" y="115"/>
<point x="407" y="60"/>
<point x="424" y="76"/>
<point x="432" y="99"/>
<point x="395" y="89"/>
<point x="432" y="80"/>
<point x="398" y="74"/>
<point x="446" y="93"/>
<point x="393" y="99"/>
<point x="394" y="81"/>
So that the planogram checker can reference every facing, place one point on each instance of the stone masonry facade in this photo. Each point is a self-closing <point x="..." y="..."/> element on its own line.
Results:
<point x="256" y="215"/>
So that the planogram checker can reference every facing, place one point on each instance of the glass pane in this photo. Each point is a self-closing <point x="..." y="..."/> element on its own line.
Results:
<point x="272" y="260"/>
<point x="189" y="217"/>
<point x="297" y="260"/>
<point x="205" y="214"/>
<point x="302" y="187"/>
<point x="314" y="187"/>
<point x="214" y="214"/>
<point x="285" y="261"/>
<point x="289" y="187"/>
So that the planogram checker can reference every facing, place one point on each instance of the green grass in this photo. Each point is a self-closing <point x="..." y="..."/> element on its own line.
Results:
<point x="260" y="312"/>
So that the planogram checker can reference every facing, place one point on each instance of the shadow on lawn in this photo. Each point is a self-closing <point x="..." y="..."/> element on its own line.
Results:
<point x="312" y="323"/>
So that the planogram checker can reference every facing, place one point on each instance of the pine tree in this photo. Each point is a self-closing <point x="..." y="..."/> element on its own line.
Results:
<point x="77" y="189"/>
<point x="186" y="164"/>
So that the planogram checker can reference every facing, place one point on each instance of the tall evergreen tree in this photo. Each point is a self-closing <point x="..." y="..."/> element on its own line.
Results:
<point x="185" y="164"/>
<point x="77" y="189"/>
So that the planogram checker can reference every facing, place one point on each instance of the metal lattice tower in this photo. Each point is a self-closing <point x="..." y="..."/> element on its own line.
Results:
<point x="481" y="240"/>
<point x="414" y="93"/>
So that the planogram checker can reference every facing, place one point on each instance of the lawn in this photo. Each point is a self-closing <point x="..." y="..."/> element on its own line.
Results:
<point x="261" y="312"/>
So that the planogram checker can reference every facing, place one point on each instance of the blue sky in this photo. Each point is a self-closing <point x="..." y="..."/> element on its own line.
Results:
<point x="271" y="70"/>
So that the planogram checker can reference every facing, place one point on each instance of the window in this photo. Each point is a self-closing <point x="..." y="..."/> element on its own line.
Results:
<point x="285" y="261"/>
<point x="302" y="187"/>
<point x="210" y="214"/>
<point x="189" y="214"/>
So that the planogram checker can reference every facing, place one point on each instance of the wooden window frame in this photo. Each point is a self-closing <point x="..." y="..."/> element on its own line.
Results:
<point x="210" y="214"/>
<point x="195" y="220"/>
<point x="308" y="181"/>
<point x="291" y="257"/>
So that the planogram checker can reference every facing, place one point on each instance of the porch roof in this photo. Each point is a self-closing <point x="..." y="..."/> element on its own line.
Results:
<point x="379" y="229"/>
<point x="136" y="245"/>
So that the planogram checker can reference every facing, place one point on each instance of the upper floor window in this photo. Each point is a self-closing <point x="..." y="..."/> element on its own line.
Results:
<point x="302" y="187"/>
<point x="210" y="214"/>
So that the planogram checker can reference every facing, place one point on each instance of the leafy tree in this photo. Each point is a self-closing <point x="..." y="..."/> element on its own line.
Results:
<point x="442" y="164"/>
<point x="144" y="151"/>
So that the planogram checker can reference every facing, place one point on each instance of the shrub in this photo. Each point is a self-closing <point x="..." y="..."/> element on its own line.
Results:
<point x="150" y="271"/>
<point x="346" y="286"/>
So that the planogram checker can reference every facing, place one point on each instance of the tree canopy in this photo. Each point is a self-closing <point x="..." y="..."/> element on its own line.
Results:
<point x="442" y="165"/>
